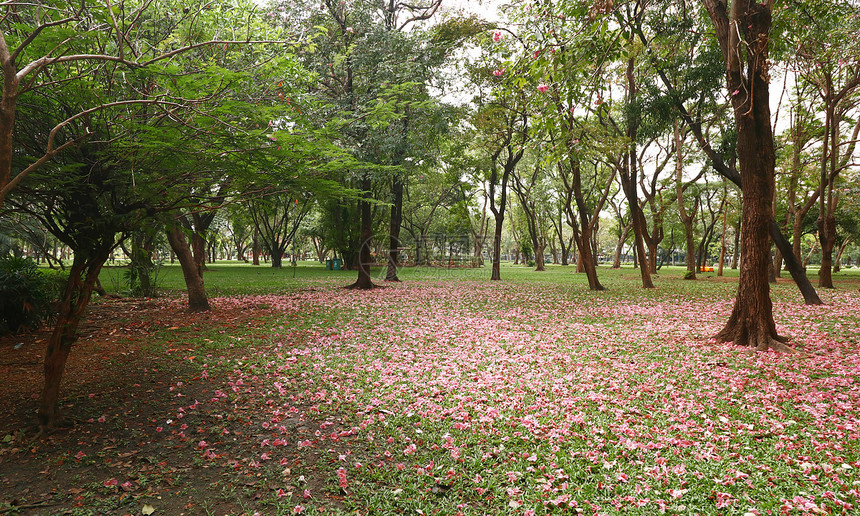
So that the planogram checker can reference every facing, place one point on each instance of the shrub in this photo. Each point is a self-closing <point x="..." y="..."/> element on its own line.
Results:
<point x="27" y="295"/>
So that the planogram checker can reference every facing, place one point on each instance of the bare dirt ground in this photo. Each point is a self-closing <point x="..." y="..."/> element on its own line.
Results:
<point x="120" y="457"/>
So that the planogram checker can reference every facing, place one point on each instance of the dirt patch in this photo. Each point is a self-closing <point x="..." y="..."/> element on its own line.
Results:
<point x="153" y="430"/>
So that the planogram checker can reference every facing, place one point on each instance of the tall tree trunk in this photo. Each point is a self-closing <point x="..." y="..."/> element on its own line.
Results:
<point x="364" y="257"/>
<point x="625" y="232"/>
<point x="83" y="277"/>
<point x="629" y="183"/>
<point x="496" y="273"/>
<point x="722" y="246"/>
<point x="687" y="218"/>
<point x="394" y="229"/>
<point x="540" y="262"/>
<point x="736" y="251"/>
<point x="751" y="322"/>
<point x="197" y="299"/>
<point x="277" y="256"/>
<point x="826" y="223"/>
<point x="837" y="263"/>
<point x="7" y="125"/>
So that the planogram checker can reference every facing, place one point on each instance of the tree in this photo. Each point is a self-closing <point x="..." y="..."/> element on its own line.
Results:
<point x="277" y="217"/>
<point x="379" y="109"/>
<point x="718" y="10"/>
<point x="743" y="33"/>
<point x="43" y="50"/>
<point x="117" y="97"/>
<point x="504" y="124"/>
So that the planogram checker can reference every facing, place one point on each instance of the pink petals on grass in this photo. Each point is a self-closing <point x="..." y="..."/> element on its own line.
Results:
<point x="543" y="397"/>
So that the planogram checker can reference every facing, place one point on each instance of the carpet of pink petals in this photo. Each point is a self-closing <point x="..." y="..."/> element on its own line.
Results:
<point x="476" y="398"/>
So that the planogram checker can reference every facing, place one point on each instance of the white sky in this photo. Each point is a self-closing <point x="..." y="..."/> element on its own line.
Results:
<point x="486" y="9"/>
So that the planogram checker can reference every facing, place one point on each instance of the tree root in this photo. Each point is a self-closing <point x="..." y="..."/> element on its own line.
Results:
<point x="760" y="339"/>
<point x="356" y="286"/>
<point x="777" y="344"/>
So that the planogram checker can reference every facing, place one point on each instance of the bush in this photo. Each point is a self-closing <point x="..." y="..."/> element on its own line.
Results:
<point x="27" y="295"/>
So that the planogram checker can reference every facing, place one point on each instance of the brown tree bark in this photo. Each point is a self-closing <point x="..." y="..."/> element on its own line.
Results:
<point x="718" y="12"/>
<point x="583" y="222"/>
<point x="499" y="218"/>
<point x="83" y="276"/>
<point x="364" y="282"/>
<point x="7" y="124"/>
<point x="616" y="263"/>
<point x="508" y="164"/>
<point x="744" y="35"/>
<point x="629" y="181"/>
<point x="255" y="248"/>
<point x="394" y="229"/>
<point x="197" y="298"/>
<point x="687" y="218"/>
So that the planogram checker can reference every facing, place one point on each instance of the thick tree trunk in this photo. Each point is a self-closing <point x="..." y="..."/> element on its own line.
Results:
<point x="197" y="299"/>
<point x="751" y="322"/>
<point x="588" y="262"/>
<point x="255" y="248"/>
<point x="364" y="257"/>
<point x="616" y="263"/>
<point x="198" y="251"/>
<point x="722" y="247"/>
<point x="394" y="229"/>
<point x="83" y="276"/>
<point x="7" y="124"/>
<point x="496" y="273"/>
<point x="652" y="257"/>
<point x="837" y="263"/>
<point x="827" y="237"/>
<point x="736" y="251"/>
<point x="540" y="262"/>
<point x="277" y="259"/>
<point x="629" y="183"/>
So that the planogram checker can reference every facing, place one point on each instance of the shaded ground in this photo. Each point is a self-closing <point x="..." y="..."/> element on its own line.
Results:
<point x="145" y="417"/>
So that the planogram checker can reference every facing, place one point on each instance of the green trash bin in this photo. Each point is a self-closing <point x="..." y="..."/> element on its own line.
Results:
<point x="337" y="264"/>
<point x="328" y="265"/>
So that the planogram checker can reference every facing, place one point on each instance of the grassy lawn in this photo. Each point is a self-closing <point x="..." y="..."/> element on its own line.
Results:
<point x="448" y="394"/>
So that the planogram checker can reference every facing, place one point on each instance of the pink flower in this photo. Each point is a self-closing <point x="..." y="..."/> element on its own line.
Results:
<point x="281" y="493"/>
<point x="298" y="509"/>
<point x="111" y="482"/>
<point x="497" y="36"/>
<point x="723" y="500"/>
<point x="542" y="87"/>
<point x="341" y="478"/>
<point x="80" y="455"/>
<point x="499" y="72"/>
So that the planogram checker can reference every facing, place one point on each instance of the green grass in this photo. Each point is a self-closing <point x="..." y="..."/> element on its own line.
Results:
<point x="238" y="278"/>
<point x="580" y="382"/>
